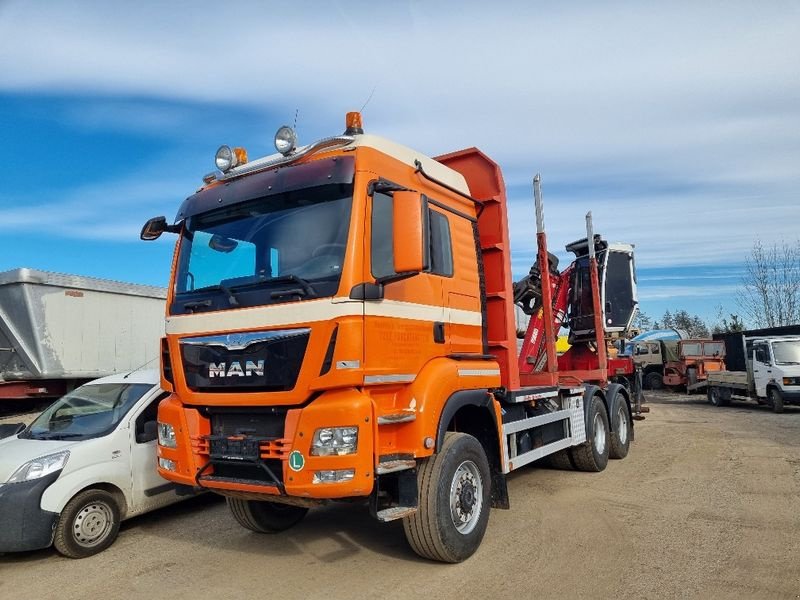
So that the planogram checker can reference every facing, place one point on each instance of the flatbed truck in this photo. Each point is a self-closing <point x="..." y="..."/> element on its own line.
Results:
<point x="340" y="326"/>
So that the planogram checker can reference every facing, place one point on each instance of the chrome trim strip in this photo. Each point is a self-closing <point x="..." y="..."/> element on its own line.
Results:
<point x="478" y="372"/>
<point x="348" y="364"/>
<point x="240" y="341"/>
<point x="399" y="378"/>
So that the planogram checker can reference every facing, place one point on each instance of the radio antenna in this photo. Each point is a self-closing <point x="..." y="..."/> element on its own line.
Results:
<point x="374" y="87"/>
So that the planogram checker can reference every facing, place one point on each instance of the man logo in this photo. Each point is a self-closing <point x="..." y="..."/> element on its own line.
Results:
<point x="235" y="369"/>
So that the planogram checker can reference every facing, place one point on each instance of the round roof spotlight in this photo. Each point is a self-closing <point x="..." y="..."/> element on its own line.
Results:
<point x="225" y="159"/>
<point x="285" y="140"/>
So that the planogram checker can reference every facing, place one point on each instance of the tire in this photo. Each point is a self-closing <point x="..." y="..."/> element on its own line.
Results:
<point x="559" y="460"/>
<point x="776" y="400"/>
<point x="653" y="381"/>
<point x="715" y="396"/>
<point x="620" y="437"/>
<point x="592" y="455"/>
<point x="265" y="517"/>
<point x="88" y="524"/>
<point x="456" y="476"/>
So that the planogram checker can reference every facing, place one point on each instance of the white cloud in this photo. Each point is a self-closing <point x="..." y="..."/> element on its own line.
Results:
<point x="680" y="122"/>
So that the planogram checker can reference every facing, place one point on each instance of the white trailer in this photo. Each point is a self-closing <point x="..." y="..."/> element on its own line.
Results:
<point x="58" y="331"/>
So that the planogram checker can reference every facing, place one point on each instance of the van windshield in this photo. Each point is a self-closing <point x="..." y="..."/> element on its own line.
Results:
<point x="90" y="411"/>
<point x="786" y="353"/>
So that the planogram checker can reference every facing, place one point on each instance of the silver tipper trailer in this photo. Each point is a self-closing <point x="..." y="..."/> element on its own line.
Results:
<point x="58" y="331"/>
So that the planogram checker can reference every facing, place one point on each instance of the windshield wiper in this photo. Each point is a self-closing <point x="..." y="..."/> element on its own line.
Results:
<point x="58" y="436"/>
<point x="232" y="301"/>
<point x="308" y="289"/>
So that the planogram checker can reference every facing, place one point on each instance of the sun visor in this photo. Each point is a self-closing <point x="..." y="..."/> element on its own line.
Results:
<point x="336" y="170"/>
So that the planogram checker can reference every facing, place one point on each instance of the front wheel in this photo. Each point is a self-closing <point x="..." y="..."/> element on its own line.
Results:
<point x="265" y="517"/>
<point x="454" y="499"/>
<point x="776" y="399"/>
<point x="653" y="381"/>
<point x="88" y="524"/>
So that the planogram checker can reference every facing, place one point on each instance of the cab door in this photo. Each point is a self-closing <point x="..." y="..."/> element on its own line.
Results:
<point x="405" y="328"/>
<point x="762" y="368"/>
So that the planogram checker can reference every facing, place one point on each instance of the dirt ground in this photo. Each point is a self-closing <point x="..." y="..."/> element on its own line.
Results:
<point x="707" y="505"/>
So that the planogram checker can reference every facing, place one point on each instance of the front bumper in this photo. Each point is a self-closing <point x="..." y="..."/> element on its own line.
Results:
<point x="289" y="457"/>
<point x="791" y="396"/>
<point x="23" y="524"/>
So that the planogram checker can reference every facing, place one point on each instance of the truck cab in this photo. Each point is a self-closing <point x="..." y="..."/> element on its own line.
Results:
<point x="775" y="366"/>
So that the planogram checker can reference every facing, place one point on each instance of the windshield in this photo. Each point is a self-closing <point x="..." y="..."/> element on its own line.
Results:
<point x="87" y="412"/>
<point x="278" y="248"/>
<point x="786" y="353"/>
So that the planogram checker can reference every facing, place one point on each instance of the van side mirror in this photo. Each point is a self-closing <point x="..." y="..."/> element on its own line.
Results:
<point x="410" y="232"/>
<point x="154" y="227"/>
<point x="149" y="432"/>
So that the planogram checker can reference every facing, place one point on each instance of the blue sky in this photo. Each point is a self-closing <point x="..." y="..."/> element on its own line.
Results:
<point x="677" y="124"/>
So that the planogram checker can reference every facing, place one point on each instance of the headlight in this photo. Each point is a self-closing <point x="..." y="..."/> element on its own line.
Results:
<point x="225" y="159"/>
<point x="39" y="467"/>
<point x="791" y="381"/>
<point x="166" y="436"/>
<point x="285" y="140"/>
<point x="334" y="441"/>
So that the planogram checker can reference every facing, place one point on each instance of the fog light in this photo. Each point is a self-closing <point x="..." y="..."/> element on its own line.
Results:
<point x="166" y="436"/>
<point x="329" y="441"/>
<point x="166" y="464"/>
<point x="337" y="476"/>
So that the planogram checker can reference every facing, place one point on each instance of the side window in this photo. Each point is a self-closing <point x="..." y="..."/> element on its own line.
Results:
<point x="381" y="244"/>
<point x="150" y="413"/>
<point x="441" y="245"/>
<point x="655" y="349"/>
<point x="761" y="354"/>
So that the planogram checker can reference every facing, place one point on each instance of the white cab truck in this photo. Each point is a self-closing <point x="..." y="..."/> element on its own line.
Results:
<point x="771" y="375"/>
<point x="85" y="464"/>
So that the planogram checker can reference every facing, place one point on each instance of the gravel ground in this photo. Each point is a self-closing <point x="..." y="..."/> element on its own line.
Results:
<point x="705" y="506"/>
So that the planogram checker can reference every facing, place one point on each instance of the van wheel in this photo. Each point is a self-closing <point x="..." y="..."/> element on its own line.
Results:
<point x="621" y="434"/>
<point x="593" y="454"/>
<point x="776" y="399"/>
<point x="88" y="524"/>
<point x="265" y="517"/>
<point x="454" y="500"/>
<point x="653" y="381"/>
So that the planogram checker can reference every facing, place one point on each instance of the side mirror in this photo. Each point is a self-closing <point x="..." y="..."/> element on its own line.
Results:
<point x="410" y="232"/>
<point x="149" y="432"/>
<point x="154" y="227"/>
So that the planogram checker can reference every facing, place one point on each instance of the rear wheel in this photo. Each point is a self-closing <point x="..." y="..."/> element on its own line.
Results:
<point x="776" y="399"/>
<point x="653" y="381"/>
<point x="715" y="396"/>
<point x="265" y="517"/>
<point x="593" y="454"/>
<point x="88" y="524"/>
<point x="621" y="434"/>
<point x="454" y="499"/>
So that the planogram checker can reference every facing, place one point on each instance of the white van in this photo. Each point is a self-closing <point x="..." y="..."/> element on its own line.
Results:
<point x="85" y="464"/>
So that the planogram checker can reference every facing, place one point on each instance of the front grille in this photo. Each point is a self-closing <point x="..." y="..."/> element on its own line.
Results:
<point x="247" y="473"/>
<point x="268" y="361"/>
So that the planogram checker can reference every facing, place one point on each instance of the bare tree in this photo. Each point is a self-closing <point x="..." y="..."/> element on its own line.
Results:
<point x="770" y="296"/>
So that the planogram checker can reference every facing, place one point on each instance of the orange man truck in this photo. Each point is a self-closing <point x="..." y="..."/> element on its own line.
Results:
<point x="340" y="325"/>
